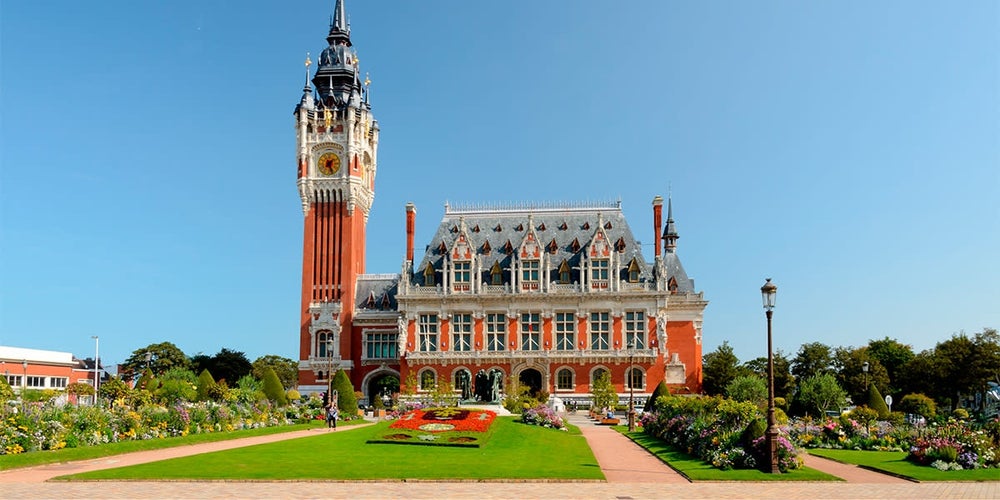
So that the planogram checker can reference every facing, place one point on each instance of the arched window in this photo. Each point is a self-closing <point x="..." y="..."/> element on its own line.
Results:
<point x="596" y="374"/>
<point x="635" y="379"/>
<point x="428" y="380"/>
<point x="323" y="347"/>
<point x="564" y="380"/>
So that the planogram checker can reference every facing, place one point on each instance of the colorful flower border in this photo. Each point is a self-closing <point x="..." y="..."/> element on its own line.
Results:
<point x="439" y="420"/>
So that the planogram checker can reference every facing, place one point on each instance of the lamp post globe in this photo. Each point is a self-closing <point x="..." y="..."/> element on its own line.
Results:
<point x="768" y="293"/>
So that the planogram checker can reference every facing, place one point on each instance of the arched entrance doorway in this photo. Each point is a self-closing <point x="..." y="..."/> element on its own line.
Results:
<point x="532" y="378"/>
<point x="383" y="387"/>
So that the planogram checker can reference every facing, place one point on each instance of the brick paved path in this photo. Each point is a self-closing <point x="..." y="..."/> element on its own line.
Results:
<point x="643" y="480"/>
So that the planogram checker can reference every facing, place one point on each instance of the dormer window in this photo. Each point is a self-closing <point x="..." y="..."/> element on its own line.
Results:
<point x="599" y="273"/>
<point x="672" y="284"/>
<point x="564" y="273"/>
<point x="429" y="275"/>
<point x="529" y="274"/>
<point x="463" y="276"/>
<point x="553" y="246"/>
<point x="520" y="227"/>
<point x="496" y="274"/>
<point x="633" y="272"/>
<point x="575" y="246"/>
<point x="508" y="248"/>
<point x="620" y="245"/>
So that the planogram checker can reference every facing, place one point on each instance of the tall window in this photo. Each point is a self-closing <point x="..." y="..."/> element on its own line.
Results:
<point x="496" y="331"/>
<point x="380" y="345"/>
<point x="529" y="273"/>
<point x="565" y="331"/>
<point x="564" y="380"/>
<point x="635" y="327"/>
<point x="635" y="379"/>
<point x="461" y="332"/>
<point x="428" y="380"/>
<point x="633" y="272"/>
<point x="600" y="330"/>
<point x="428" y="332"/>
<point x="463" y="275"/>
<point x="323" y="346"/>
<point x="530" y="332"/>
<point x="429" y="275"/>
<point x="599" y="270"/>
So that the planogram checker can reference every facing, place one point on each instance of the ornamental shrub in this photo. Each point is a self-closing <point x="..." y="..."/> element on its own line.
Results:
<point x="918" y="404"/>
<point x="660" y="390"/>
<point x="346" y="400"/>
<point x="877" y="402"/>
<point x="205" y="383"/>
<point x="276" y="393"/>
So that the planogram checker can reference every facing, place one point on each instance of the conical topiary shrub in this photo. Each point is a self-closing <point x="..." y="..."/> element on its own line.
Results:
<point x="346" y="400"/>
<point x="273" y="389"/>
<point x="876" y="402"/>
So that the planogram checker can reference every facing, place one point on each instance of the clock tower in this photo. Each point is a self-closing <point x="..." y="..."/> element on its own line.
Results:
<point x="336" y="150"/>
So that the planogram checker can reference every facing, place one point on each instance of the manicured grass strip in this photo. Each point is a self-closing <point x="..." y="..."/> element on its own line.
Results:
<point x="698" y="470"/>
<point x="516" y="451"/>
<point x="34" y="458"/>
<point x="894" y="462"/>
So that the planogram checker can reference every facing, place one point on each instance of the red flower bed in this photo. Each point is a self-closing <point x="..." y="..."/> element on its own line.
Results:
<point x="446" y="419"/>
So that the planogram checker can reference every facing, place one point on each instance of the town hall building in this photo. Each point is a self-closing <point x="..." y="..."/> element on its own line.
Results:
<point x="537" y="295"/>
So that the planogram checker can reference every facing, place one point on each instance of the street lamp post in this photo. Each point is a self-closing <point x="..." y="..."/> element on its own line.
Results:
<point x="97" y="364"/>
<point x="864" y="368"/>
<point x="24" y="382"/>
<point x="768" y="292"/>
<point x="630" y="376"/>
<point x="329" y="369"/>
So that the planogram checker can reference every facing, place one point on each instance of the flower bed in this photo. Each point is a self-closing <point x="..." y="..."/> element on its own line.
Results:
<point x="440" y="426"/>
<point x="543" y="416"/>
<point x="716" y="431"/>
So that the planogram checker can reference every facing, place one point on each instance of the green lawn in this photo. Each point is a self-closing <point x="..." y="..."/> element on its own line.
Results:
<point x="895" y="462"/>
<point x="699" y="470"/>
<point x="516" y="451"/>
<point x="90" y="452"/>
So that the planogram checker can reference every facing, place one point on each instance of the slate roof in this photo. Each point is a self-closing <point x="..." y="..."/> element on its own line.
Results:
<point x="571" y="227"/>
<point x="377" y="292"/>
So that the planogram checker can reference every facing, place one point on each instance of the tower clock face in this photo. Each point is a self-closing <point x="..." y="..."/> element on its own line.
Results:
<point x="328" y="163"/>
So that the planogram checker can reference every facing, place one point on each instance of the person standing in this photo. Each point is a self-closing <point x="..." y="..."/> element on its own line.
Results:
<point x="331" y="416"/>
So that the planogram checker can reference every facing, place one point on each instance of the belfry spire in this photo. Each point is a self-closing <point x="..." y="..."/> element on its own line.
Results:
<point x="669" y="231"/>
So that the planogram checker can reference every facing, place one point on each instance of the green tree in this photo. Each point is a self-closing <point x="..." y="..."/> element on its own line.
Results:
<point x="813" y="359"/>
<point x="162" y="357"/>
<point x="748" y="388"/>
<point x="229" y="365"/>
<point x="273" y="389"/>
<point x="603" y="393"/>
<point x="147" y="382"/>
<point x="822" y="393"/>
<point x="346" y="400"/>
<point x="964" y="365"/>
<point x="892" y="355"/>
<point x="205" y="385"/>
<point x="718" y="369"/>
<point x="249" y="389"/>
<point x="176" y="385"/>
<point x="784" y="381"/>
<point x="851" y="375"/>
<point x="918" y="404"/>
<point x="6" y="391"/>
<point x="113" y="389"/>
<point x="286" y="369"/>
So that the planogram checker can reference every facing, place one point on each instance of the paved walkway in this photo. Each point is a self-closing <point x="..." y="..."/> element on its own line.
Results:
<point x="644" y="477"/>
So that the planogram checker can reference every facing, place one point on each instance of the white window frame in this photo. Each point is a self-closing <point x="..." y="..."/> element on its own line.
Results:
<point x="600" y="330"/>
<point x="565" y="323"/>
<point x="461" y="332"/>
<point x="496" y="331"/>
<point x="531" y="331"/>
<point x="427" y="336"/>
<point x="635" y="328"/>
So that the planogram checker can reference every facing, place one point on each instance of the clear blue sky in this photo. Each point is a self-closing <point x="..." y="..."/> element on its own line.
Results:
<point x="848" y="150"/>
